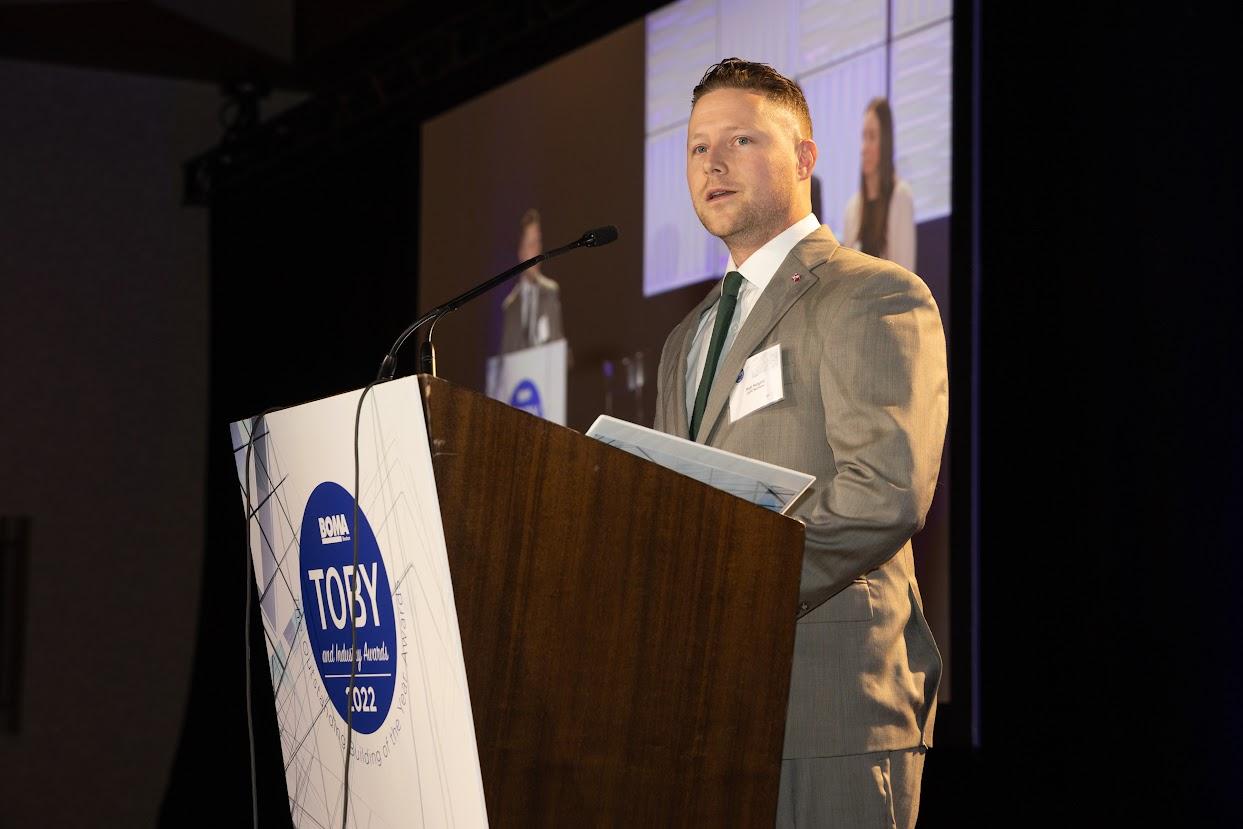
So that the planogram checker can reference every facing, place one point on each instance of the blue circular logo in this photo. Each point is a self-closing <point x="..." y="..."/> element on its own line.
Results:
<point x="329" y="582"/>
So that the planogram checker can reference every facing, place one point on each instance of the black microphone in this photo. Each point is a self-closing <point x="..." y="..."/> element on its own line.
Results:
<point x="388" y="366"/>
<point x="599" y="236"/>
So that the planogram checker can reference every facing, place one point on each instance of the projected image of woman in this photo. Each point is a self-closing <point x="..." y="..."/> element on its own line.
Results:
<point x="880" y="217"/>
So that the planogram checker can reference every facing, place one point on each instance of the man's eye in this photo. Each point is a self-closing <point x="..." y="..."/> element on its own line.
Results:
<point x="700" y="150"/>
<point x="742" y="139"/>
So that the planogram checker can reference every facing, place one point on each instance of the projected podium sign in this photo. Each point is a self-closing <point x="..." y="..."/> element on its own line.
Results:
<point x="532" y="379"/>
<point x="413" y="754"/>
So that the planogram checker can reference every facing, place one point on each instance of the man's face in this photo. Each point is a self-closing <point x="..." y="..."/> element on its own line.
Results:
<point x="743" y="167"/>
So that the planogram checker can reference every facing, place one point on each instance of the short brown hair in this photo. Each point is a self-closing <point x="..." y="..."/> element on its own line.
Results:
<point x="736" y="73"/>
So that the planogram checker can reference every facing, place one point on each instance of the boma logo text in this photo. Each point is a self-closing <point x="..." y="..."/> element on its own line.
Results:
<point x="333" y="529"/>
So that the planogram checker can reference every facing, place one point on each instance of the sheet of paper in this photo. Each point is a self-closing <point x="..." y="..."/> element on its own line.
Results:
<point x="765" y="484"/>
<point x="758" y="385"/>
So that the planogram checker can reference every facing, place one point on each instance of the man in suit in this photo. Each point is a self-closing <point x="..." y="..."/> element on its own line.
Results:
<point x="863" y="408"/>
<point x="531" y="312"/>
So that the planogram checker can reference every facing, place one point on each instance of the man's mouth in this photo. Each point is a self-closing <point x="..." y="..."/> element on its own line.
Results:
<point x="719" y="193"/>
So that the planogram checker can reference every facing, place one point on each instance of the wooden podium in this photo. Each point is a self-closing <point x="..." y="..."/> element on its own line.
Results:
<point x="627" y="631"/>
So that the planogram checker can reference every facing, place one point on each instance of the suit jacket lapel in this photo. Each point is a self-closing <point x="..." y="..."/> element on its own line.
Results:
<point x="676" y="420"/>
<point x="782" y="292"/>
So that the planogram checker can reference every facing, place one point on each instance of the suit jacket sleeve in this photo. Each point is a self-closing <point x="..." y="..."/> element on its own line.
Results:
<point x="885" y="395"/>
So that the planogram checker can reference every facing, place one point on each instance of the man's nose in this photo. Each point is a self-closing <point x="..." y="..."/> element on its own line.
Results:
<point x="713" y="162"/>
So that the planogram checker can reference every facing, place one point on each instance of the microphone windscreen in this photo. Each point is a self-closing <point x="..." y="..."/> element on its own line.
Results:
<point x="600" y="236"/>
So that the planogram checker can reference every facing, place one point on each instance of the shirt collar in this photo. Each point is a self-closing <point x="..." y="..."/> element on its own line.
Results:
<point x="761" y="265"/>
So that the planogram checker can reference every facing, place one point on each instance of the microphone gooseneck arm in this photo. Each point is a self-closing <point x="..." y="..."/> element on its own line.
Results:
<point x="389" y="365"/>
<point x="590" y="239"/>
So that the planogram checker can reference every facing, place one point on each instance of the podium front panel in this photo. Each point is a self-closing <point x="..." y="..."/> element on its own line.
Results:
<point x="628" y="632"/>
<point x="400" y="685"/>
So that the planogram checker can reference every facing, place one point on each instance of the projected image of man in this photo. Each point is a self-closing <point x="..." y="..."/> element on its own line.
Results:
<point x="531" y="312"/>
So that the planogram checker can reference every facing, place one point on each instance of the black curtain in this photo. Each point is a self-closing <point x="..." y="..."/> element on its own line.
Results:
<point x="313" y="268"/>
<point x="1110" y="446"/>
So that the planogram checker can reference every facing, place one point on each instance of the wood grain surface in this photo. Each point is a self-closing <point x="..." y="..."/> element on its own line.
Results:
<point x="628" y="632"/>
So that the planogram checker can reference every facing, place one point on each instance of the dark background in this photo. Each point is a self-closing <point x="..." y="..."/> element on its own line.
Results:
<point x="1096" y="214"/>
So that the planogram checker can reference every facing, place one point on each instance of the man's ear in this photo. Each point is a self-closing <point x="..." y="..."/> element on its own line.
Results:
<point x="807" y="154"/>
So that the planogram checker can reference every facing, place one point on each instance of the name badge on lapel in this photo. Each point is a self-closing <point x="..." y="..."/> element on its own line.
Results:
<point x="758" y="384"/>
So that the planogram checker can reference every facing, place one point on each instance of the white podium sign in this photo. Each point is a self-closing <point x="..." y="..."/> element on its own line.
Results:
<point x="413" y="757"/>
<point x="532" y="379"/>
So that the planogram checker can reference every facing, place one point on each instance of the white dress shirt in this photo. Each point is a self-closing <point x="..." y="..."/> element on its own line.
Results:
<point x="756" y="273"/>
<point x="530" y="310"/>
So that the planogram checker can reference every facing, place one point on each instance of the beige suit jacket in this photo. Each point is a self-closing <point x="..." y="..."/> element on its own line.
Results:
<point x="865" y="408"/>
<point x="514" y="335"/>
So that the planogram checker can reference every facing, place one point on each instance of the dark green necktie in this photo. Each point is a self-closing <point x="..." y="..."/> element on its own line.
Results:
<point x="724" y="316"/>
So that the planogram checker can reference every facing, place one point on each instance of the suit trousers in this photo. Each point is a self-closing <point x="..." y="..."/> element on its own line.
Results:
<point x="858" y="791"/>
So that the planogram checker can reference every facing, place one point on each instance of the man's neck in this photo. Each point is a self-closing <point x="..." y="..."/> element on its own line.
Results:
<point x="741" y="254"/>
<point x="759" y="264"/>
<point x="741" y="249"/>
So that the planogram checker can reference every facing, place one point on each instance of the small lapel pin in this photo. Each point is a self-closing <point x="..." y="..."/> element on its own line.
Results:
<point x="738" y="379"/>
<point x="796" y="277"/>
